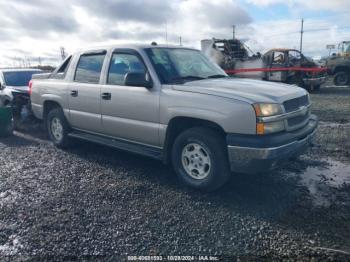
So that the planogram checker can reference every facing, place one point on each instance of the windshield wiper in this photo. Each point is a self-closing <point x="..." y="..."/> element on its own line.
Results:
<point x="217" y="76"/>
<point x="187" y="78"/>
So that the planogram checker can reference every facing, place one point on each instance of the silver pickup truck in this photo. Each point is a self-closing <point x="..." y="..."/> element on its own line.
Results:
<point x="173" y="104"/>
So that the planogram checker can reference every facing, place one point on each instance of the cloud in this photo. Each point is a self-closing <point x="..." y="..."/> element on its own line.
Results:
<point x="151" y="12"/>
<point x="341" y="6"/>
<point x="40" y="27"/>
<point x="286" y="33"/>
<point x="37" y="17"/>
<point x="148" y="20"/>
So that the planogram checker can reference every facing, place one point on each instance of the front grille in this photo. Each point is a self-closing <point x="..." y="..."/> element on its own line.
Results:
<point x="297" y="120"/>
<point x="295" y="103"/>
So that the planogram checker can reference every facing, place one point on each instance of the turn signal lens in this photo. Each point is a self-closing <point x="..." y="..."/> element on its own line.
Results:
<point x="268" y="128"/>
<point x="260" y="128"/>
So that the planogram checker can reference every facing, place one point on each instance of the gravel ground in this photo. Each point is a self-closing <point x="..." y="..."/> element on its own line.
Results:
<point x="95" y="203"/>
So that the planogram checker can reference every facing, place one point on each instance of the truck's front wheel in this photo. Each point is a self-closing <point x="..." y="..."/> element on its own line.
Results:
<point x="341" y="79"/>
<point x="200" y="159"/>
<point x="58" y="127"/>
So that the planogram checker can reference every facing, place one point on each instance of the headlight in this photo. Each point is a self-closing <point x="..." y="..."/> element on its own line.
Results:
<point x="264" y="109"/>
<point x="268" y="128"/>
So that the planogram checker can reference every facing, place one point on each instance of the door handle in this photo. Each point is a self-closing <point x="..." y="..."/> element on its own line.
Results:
<point x="74" y="93"/>
<point x="106" y="96"/>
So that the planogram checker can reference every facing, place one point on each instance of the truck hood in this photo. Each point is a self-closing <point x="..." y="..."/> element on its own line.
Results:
<point x="248" y="90"/>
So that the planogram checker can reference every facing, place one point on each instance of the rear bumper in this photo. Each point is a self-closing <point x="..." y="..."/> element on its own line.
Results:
<point x="252" y="154"/>
<point x="316" y="81"/>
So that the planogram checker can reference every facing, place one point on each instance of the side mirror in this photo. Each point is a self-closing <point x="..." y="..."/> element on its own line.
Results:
<point x="2" y="86"/>
<point x="137" y="79"/>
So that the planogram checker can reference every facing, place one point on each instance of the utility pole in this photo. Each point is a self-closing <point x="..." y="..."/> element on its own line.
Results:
<point x="301" y="35"/>
<point x="180" y="38"/>
<point x="63" y="53"/>
<point x="166" y="32"/>
<point x="233" y="32"/>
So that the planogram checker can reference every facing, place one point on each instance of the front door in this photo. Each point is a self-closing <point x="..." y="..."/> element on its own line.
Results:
<point x="85" y="93"/>
<point x="129" y="112"/>
<point x="279" y="60"/>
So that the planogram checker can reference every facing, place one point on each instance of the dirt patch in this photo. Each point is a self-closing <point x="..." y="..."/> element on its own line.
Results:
<point x="95" y="202"/>
<point x="332" y="104"/>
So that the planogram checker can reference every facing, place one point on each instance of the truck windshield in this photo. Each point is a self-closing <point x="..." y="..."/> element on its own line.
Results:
<point x="180" y="65"/>
<point x="20" y="78"/>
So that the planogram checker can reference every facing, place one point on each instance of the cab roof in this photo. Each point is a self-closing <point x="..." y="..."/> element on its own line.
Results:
<point x="128" y="46"/>
<point x="282" y="50"/>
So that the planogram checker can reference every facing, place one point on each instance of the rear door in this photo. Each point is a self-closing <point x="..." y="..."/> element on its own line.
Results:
<point x="85" y="92"/>
<point x="129" y="112"/>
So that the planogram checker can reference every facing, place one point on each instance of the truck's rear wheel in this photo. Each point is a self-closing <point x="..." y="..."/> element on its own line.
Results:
<point x="58" y="127"/>
<point x="199" y="157"/>
<point x="341" y="79"/>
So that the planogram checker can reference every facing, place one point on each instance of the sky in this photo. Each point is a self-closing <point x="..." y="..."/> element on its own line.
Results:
<point x="33" y="31"/>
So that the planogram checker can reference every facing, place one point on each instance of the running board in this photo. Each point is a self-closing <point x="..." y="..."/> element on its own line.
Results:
<point x="144" y="150"/>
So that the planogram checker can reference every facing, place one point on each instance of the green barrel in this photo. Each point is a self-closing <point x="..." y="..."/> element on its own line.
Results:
<point x="6" y="124"/>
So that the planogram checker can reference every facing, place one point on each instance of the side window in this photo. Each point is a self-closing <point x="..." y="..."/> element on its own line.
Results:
<point x="89" y="68"/>
<point x="61" y="72"/>
<point x="278" y="58"/>
<point x="64" y="67"/>
<point x="294" y="56"/>
<point x="121" y="64"/>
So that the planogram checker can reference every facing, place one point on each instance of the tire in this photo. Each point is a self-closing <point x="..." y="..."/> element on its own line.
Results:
<point x="209" y="153"/>
<point x="317" y="87"/>
<point x="341" y="79"/>
<point x="58" y="128"/>
<point x="311" y="89"/>
<point x="296" y="80"/>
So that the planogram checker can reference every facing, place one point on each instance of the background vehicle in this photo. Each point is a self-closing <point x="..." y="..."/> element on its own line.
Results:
<point x="292" y="67"/>
<point x="174" y="105"/>
<point x="279" y="65"/>
<point x="339" y="65"/>
<point x="6" y="96"/>
<point x="15" y="86"/>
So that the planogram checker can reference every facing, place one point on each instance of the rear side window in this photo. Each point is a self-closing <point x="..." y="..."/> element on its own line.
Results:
<point x="64" y="67"/>
<point x="121" y="64"/>
<point x="62" y="71"/>
<point x="89" y="68"/>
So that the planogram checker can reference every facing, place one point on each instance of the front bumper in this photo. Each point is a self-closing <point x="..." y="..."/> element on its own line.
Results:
<point x="252" y="154"/>
<point x="315" y="81"/>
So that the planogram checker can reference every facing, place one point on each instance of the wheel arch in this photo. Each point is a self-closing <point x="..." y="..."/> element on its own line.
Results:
<point x="179" y="124"/>
<point x="48" y="106"/>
